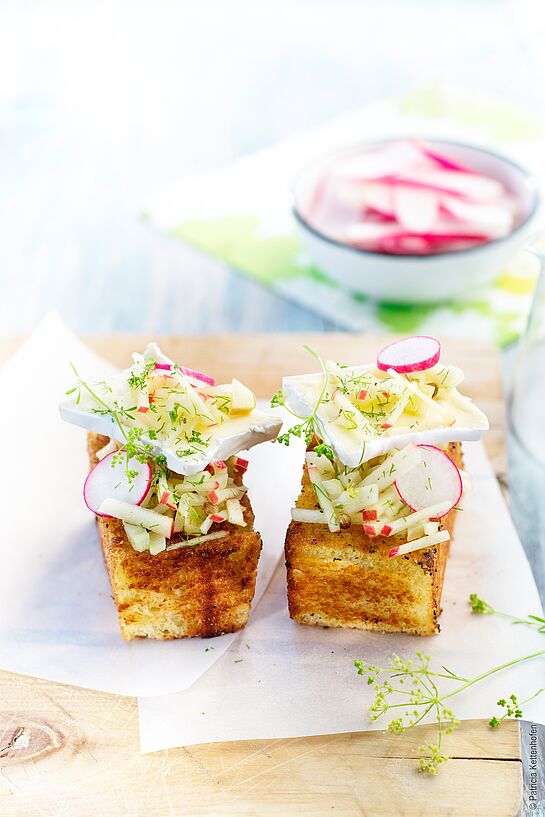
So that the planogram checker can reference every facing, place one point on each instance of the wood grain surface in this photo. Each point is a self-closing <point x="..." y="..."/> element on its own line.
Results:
<point x="71" y="752"/>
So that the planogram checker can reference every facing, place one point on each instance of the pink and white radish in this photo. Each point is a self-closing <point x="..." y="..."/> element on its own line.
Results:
<point x="408" y="197"/>
<point x="381" y="161"/>
<point x="436" y="479"/>
<point x="446" y="162"/>
<point x="204" y="378"/>
<point x="494" y="219"/>
<point x="468" y="185"/>
<point x="414" y="354"/>
<point x="196" y="375"/>
<point x="415" y="209"/>
<point x="108" y="480"/>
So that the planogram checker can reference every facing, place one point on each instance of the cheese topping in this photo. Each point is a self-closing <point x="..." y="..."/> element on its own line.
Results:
<point x="176" y="412"/>
<point x="377" y="436"/>
<point x="365" y="412"/>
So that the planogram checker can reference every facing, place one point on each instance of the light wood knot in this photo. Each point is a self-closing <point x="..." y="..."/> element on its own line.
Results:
<point x="22" y="739"/>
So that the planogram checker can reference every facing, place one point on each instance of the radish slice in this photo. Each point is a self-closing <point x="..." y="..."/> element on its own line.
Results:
<point x="371" y="195"/>
<point x="416" y="209"/>
<point x="410" y="355"/>
<point x="434" y="480"/>
<point x="109" y="481"/>
<point x="496" y="218"/>
<point x="443" y="161"/>
<point x="389" y="158"/>
<point x="469" y="185"/>
<point x="205" y="378"/>
<point x="410" y="198"/>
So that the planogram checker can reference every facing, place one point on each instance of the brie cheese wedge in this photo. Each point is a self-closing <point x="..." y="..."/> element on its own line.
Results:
<point x="455" y="418"/>
<point x="183" y="418"/>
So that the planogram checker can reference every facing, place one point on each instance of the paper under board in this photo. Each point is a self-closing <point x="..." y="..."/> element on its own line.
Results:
<point x="57" y="617"/>
<point x="280" y="679"/>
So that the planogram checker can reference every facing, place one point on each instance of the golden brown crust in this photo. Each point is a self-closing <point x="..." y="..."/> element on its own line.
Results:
<point x="346" y="579"/>
<point x="206" y="590"/>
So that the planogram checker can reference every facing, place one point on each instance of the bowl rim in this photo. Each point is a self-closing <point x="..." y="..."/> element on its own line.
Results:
<point x="529" y="177"/>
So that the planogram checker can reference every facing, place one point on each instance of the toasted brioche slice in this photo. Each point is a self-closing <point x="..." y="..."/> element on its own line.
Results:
<point x="206" y="590"/>
<point x="346" y="579"/>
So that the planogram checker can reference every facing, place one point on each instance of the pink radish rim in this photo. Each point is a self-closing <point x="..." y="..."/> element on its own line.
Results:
<point x="529" y="180"/>
<point x="107" y="457"/>
<point x="436" y="518"/>
<point x="407" y="368"/>
<point x="205" y="378"/>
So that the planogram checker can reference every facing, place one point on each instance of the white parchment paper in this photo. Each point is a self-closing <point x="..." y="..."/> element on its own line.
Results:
<point x="57" y="617"/>
<point x="281" y="679"/>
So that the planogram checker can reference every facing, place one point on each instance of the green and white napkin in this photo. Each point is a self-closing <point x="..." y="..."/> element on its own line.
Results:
<point x="242" y="215"/>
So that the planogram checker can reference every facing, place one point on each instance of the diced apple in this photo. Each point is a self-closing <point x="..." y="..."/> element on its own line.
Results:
<point x="218" y="517"/>
<point x="235" y="512"/>
<point x="370" y="530"/>
<point x="242" y="398"/>
<point x="241" y="465"/>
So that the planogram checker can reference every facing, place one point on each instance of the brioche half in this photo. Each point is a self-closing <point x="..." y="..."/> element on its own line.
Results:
<point x="346" y="579"/>
<point x="205" y="590"/>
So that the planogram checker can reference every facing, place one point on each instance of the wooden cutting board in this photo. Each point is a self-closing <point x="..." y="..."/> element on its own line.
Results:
<point x="71" y="752"/>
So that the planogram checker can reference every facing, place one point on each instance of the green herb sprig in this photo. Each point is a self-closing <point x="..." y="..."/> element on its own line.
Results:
<point x="138" y="382"/>
<point x="412" y="687"/>
<point x="308" y="429"/>
<point x="196" y="442"/>
<point x="482" y="607"/>
<point x="133" y="447"/>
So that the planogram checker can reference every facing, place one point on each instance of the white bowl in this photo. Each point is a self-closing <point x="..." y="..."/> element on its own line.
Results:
<point x="424" y="278"/>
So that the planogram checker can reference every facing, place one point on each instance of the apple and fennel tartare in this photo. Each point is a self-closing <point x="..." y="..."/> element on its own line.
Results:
<point x="171" y="470"/>
<point x="377" y="440"/>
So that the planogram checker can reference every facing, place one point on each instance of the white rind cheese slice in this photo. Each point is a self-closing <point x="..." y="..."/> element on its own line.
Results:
<point x="234" y="435"/>
<point x="468" y="422"/>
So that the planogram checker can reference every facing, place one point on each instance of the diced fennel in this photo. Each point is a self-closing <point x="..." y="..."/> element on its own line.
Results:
<point x="323" y="499"/>
<point x="136" y="515"/>
<point x="137" y="536"/>
<point x="157" y="543"/>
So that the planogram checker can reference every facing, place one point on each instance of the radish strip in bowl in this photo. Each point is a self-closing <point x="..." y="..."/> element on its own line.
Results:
<point x="413" y="221"/>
